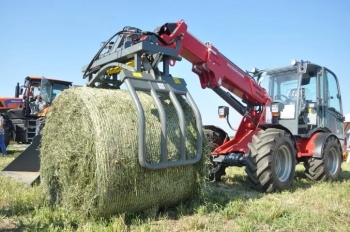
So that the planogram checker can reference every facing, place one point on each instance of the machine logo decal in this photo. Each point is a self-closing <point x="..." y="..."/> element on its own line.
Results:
<point x="9" y="101"/>
<point x="234" y="69"/>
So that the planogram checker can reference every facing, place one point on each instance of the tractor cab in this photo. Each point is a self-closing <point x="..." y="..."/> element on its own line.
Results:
<point x="305" y="98"/>
<point x="39" y="92"/>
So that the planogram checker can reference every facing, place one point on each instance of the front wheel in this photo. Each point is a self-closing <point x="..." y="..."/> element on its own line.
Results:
<point x="271" y="161"/>
<point x="327" y="168"/>
<point x="216" y="138"/>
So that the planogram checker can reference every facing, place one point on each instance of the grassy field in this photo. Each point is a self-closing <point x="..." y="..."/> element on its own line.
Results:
<point x="227" y="206"/>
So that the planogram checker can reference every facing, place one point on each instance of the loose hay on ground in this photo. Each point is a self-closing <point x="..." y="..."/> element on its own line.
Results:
<point x="89" y="154"/>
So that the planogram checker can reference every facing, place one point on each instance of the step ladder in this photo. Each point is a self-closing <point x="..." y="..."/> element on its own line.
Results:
<point x="31" y="129"/>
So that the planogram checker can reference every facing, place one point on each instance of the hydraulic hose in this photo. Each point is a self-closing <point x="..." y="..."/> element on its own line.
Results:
<point x="99" y="52"/>
<point x="132" y="30"/>
<point x="179" y="37"/>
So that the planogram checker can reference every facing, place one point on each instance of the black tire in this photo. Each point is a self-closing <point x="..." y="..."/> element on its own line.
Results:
<point x="7" y="137"/>
<point x="215" y="138"/>
<point x="20" y="128"/>
<point x="327" y="168"/>
<point x="21" y="137"/>
<point x="16" y="114"/>
<point x="264" y="175"/>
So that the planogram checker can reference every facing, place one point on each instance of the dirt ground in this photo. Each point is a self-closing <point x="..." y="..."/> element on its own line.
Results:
<point x="6" y="225"/>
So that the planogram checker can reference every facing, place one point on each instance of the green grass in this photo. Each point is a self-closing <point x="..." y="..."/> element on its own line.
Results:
<point x="228" y="206"/>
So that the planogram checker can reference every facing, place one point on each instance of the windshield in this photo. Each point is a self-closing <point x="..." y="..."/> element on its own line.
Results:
<point x="48" y="92"/>
<point x="281" y="86"/>
<point x="57" y="89"/>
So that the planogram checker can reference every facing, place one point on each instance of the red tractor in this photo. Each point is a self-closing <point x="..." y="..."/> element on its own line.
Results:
<point x="6" y="104"/>
<point x="290" y="115"/>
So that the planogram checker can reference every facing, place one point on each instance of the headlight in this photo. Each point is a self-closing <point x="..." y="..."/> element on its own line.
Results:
<point x="223" y="111"/>
<point x="274" y="108"/>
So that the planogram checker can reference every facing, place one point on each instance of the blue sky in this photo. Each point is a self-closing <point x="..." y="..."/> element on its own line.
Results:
<point x="56" y="38"/>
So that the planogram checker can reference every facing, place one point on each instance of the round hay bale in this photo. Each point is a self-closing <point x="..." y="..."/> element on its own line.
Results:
<point x="89" y="154"/>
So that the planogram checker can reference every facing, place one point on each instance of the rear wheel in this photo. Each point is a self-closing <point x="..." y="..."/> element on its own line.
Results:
<point x="7" y="137"/>
<point x="327" y="168"/>
<point x="271" y="161"/>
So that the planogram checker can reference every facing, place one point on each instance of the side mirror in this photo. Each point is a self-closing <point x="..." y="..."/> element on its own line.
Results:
<point x="305" y="81"/>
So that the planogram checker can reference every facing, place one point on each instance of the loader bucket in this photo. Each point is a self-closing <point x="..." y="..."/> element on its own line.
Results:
<point x="26" y="167"/>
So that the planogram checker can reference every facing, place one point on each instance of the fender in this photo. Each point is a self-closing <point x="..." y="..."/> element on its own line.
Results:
<point x="218" y="134"/>
<point x="314" y="146"/>
<point x="216" y="129"/>
<point x="319" y="143"/>
<point x="279" y="126"/>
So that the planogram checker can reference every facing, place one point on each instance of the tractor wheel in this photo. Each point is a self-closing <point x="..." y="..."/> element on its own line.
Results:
<point x="7" y="138"/>
<point x="327" y="168"/>
<point x="215" y="139"/>
<point x="271" y="161"/>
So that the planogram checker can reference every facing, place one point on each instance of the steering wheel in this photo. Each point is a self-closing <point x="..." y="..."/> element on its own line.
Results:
<point x="281" y="95"/>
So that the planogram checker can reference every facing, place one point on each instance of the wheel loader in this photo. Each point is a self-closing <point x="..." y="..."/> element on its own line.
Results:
<point x="290" y="114"/>
<point x="26" y="121"/>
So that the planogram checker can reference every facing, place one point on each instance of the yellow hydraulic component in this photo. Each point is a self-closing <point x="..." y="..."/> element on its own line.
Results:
<point x="137" y="74"/>
<point x="118" y="69"/>
<point x="177" y="80"/>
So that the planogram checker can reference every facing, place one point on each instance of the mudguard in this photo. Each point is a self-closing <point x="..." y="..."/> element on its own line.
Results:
<point x="319" y="143"/>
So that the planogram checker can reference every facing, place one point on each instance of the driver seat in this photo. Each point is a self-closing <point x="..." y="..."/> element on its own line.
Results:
<point x="292" y="95"/>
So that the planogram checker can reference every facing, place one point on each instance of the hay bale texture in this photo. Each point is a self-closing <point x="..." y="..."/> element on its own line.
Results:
<point x="89" y="154"/>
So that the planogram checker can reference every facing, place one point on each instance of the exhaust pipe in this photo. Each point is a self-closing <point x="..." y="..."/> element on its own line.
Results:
<point x="17" y="90"/>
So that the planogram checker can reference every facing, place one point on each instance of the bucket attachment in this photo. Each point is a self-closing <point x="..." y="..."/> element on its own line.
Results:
<point x="26" y="167"/>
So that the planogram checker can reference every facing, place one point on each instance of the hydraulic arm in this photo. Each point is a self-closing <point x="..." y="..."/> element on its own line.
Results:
<point x="216" y="71"/>
<point x="212" y="67"/>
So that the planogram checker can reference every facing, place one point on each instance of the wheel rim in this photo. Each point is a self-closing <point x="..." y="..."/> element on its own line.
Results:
<point x="283" y="163"/>
<point x="332" y="161"/>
